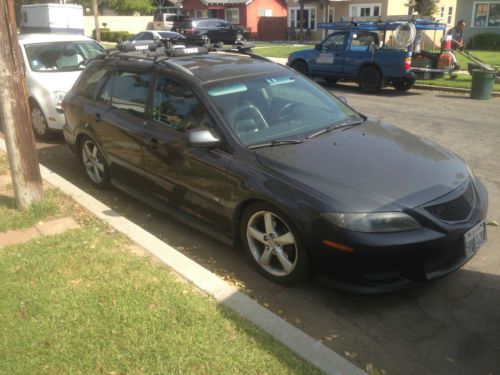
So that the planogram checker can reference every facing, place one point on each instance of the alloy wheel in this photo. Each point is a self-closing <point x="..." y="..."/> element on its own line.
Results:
<point x="93" y="162"/>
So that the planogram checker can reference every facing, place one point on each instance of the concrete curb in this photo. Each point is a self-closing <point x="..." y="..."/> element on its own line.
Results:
<point x="306" y="347"/>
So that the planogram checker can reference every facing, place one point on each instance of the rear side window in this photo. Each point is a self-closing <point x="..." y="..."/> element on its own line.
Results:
<point x="129" y="92"/>
<point x="177" y="107"/>
<point x="91" y="81"/>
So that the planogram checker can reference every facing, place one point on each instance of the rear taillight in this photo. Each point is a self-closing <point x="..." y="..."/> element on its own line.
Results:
<point x="408" y="63"/>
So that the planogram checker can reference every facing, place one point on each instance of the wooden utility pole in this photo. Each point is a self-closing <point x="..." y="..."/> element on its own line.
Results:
<point x="15" y="114"/>
<point x="95" y="10"/>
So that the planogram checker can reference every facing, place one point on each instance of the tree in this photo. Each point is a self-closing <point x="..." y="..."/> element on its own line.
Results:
<point x="424" y="7"/>
<point x="14" y="114"/>
<point x="130" y="6"/>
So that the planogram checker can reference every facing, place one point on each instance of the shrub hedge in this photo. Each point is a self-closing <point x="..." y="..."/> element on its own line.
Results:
<point x="112" y="36"/>
<point x="486" y="41"/>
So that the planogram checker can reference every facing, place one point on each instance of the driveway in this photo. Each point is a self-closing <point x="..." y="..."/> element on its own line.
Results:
<point x="450" y="326"/>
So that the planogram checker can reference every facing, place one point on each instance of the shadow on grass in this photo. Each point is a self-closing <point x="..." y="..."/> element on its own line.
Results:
<point x="7" y="202"/>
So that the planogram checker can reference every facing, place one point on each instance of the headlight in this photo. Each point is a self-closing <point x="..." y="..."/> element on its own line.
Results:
<point x="374" y="222"/>
<point x="57" y="98"/>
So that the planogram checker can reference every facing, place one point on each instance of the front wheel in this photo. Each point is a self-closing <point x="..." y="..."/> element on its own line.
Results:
<point x="301" y="67"/>
<point x="94" y="163"/>
<point x="39" y="123"/>
<point x="370" y="79"/>
<point x="274" y="245"/>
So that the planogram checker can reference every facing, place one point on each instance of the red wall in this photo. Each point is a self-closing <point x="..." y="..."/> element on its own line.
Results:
<point x="278" y="7"/>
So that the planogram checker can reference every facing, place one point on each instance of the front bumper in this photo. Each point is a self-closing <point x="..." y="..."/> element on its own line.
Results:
<point x="383" y="262"/>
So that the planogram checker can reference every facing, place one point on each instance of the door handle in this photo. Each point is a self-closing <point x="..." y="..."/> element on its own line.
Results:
<point x="97" y="117"/>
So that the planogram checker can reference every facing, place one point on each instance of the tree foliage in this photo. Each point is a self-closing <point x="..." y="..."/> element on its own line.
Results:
<point x="424" y="7"/>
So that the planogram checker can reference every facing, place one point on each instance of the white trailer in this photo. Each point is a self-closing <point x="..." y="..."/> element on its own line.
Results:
<point x="52" y="18"/>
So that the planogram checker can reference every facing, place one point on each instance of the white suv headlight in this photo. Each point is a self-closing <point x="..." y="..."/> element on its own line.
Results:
<point x="57" y="98"/>
<point x="373" y="222"/>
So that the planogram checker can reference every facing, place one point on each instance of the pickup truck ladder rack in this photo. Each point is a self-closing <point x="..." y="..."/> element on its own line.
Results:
<point x="381" y="24"/>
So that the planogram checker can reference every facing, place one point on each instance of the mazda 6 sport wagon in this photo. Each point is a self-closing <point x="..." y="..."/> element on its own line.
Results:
<point x="258" y="155"/>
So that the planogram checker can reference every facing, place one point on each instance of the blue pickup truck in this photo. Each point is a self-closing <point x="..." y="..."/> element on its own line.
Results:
<point x="358" y="51"/>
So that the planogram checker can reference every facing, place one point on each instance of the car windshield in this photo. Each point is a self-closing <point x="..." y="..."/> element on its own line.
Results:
<point x="273" y="108"/>
<point x="61" y="56"/>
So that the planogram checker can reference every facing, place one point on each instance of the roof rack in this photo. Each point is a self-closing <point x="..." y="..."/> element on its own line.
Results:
<point x="382" y="23"/>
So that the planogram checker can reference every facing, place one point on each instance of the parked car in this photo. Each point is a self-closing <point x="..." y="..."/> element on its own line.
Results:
<point x="212" y="30"/>
<point x="355" y="52"/>
<point x="145" y="39"/>
<point x="167" y="21"/>
<point x="52" y="63"/>
<point x="255" y="153"/>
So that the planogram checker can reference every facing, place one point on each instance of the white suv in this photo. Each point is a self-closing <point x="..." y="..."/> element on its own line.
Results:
<point x="52" y="64"/>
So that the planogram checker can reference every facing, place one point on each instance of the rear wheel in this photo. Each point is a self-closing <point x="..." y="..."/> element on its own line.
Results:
<point x="94" y="163"/>
<point x="370" y="79"/>
<point x="403" y="84"/>
<point x="331" y="80"/>
<point x="274" y="245"/>
<point x="301" y="67"/>
<point x="239" y="38"/>
<point x="205" y="40"/>
<point x="39" y="122"/>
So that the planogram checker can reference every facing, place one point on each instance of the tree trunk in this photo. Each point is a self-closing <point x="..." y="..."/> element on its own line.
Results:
<point x="15" y="114"/>
<point x="95" y="10"/>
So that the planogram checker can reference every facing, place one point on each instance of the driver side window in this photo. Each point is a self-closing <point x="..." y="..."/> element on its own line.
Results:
<point x="334" y="41"/>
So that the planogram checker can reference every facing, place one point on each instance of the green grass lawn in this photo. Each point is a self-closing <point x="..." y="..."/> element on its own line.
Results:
<point x="490" y="57"/>
<point x="277" y="50"/>
<point x="82" y="303"/>
<point x="462" y="81"/>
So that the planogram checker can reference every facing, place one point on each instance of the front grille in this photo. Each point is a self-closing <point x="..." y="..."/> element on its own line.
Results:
<point x="457" y="209"/>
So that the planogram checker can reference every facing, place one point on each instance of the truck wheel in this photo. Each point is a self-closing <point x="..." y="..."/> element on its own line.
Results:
<point x="369" y="79"/>
<point x="403" y="84"/>
<point x="301" y="67"/>
<point x="331" y="80"/>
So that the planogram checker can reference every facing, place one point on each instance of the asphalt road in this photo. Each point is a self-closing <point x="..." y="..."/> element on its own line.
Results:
<point x="450" y="326"/>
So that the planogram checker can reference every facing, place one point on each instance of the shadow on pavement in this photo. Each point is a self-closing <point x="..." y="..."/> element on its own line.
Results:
<point x="450" y="326"/>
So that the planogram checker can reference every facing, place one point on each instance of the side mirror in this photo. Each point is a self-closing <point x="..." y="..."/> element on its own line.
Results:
<point x="202" y="139"/>
<point x="372" y="47"/>
<point x="156" y="37"/>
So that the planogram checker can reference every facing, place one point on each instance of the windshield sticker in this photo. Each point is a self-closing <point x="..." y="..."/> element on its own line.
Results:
<point x="225" y="90"/>
<point x="324" y="58"/>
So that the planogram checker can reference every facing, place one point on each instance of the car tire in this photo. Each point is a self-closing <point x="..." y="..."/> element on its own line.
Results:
<point x="205" y="41"/>
<point x="370" y="79"/>
<point x="331" y="80"/>
<point x="262" y="228"/>
<point x="39" y="123"/>
<point x="239" y="38"/>
<point x="301" y="67"/>
<point x="93" y="163"/>
<point x="403" y="84"/>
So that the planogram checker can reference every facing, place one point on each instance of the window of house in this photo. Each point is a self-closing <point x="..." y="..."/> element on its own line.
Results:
<point x="486" y="14"/>
<point x="309" y="17"/>
<point x="450" y="15"/>
<point x="130" y="92"/>
<point x="177" y="107"/>
<point x="200" y="13"/>
<point x="233" y="15"/>
<point x="265" y="13"/>
<point x="365" y="10"/>
<point x="331" y="14"/>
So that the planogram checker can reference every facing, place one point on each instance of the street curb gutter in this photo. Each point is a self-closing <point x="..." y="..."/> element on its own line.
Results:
<point x="306" y="347"/>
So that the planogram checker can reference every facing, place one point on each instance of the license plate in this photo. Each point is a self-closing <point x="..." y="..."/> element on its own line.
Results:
<point x="474" y="238"/>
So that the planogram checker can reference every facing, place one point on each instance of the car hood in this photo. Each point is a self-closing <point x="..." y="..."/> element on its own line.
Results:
<point x="369" y="167"/>
<point x="56" y="81"/>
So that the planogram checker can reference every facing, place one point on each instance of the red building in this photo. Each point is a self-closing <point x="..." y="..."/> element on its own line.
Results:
<point x="239" y="12"/>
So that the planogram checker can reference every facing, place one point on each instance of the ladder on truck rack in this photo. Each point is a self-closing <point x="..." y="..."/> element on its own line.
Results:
<point x="382" y="23"/>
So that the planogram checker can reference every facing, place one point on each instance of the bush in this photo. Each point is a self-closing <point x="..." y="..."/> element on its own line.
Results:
<point x="124" y="35"/>
<point x="486" y="41"/>
<point x="102" y="29"/>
